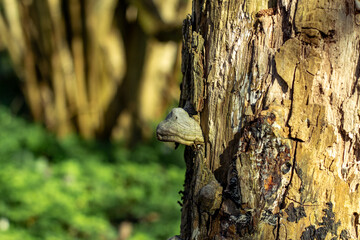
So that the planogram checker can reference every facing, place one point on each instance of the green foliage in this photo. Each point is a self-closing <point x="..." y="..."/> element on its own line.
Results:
<point x="74" y="189"/>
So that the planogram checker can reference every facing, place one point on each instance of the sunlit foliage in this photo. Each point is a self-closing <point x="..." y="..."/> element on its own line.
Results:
<point x="74" y="189"/>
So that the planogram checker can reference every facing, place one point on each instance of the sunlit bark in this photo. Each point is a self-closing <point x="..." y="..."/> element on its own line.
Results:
<point x="276" y="87"/>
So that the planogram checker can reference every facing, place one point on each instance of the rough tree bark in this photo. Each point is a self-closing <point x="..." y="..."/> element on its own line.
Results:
<point x="275" y="88"/>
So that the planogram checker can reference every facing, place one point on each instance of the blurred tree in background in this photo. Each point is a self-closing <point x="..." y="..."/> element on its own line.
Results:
<point x="100" y="68"/>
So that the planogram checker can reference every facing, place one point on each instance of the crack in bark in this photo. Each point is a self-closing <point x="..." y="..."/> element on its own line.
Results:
<point x="293" y="20"/>
<point x="292" y="100"/>
<point x="286" y="192"/>
<point x="300" y="203"/>
<point x="357" y="76"/>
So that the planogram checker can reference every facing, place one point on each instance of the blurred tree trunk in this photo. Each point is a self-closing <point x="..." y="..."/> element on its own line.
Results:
<point x="276" y="85"/>
<point x="83" y="62"/>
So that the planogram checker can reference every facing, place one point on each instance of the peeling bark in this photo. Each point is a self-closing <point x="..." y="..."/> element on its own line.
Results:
<point x="276" y="89"/>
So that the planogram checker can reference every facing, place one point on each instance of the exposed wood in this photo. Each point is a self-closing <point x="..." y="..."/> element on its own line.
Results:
<point x="276" y="87"/>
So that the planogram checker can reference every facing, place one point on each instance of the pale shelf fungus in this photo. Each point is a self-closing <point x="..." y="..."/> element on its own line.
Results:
<point x="179" y="127"/>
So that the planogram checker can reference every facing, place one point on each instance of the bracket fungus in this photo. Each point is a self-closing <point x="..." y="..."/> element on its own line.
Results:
<point x="179" y="127"/>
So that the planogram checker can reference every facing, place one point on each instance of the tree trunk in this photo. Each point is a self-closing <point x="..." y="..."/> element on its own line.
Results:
<point x="275" y="86"/>
<point x="87" y="65"/>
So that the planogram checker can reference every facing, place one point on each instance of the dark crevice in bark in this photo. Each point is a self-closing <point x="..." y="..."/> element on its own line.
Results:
<point x="282" y="204"/>
<point x="250" y="71"/>
<point x="287" y="26"/>
<point x="341" y="129"/>
<point x="233" y="190"/>
<point x="357" y="76"/>
<point x="292" y="100"/>
<point x="296" y="139"/>
<point x="275" y="77"/>
<point x="221" y="173"/>
<point x="186" y="217"/>
<point x="293" y="22"/>
<point x="302" y="203"/>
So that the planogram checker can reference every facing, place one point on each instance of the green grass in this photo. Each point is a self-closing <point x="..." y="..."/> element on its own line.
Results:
<point x="74" y="189"/>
